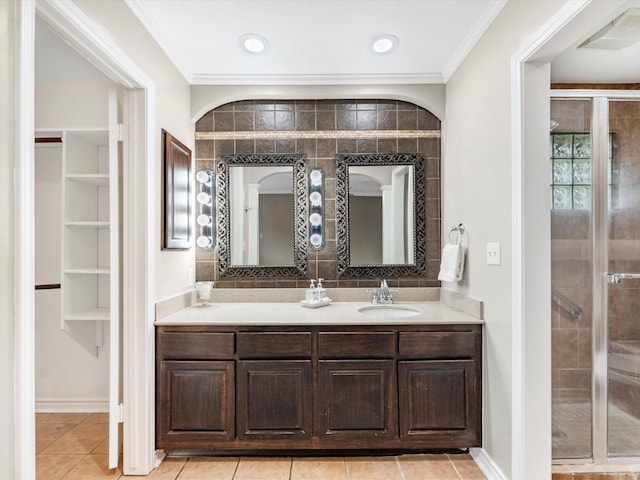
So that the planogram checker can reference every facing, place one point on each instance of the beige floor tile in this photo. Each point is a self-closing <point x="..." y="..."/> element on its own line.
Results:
<point x="427" y="467"/>
<point x="97" y="418"/>
<point x="102" y="448"/>
<point x="169" y="469"/>
<point x="263" y="468"/>
<point x="93" y="467"/>
<point x="53" y="467"/>
<point x="83" y="438"/>
<point x="467" y="467"/>
<point x="209" y="468"/>
<point x="318" y="469"/>
<point x="373" y="468"/>
<point x="47" y="433"/>
<point x="74" y="418"/>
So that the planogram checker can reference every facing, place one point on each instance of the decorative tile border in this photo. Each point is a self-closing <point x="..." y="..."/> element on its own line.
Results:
<point x="298" y="134"/>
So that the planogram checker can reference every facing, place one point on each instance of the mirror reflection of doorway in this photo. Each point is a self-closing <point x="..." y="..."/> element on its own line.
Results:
<point x="381" y="215"/>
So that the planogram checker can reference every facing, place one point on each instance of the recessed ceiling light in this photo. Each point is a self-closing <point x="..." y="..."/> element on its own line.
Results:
<point x="384" y="43"/>
<point x="253" y="43"/>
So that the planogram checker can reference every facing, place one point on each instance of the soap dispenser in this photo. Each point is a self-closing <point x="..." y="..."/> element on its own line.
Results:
<point x="321" y="292"/>
<point x="310" y="294"/>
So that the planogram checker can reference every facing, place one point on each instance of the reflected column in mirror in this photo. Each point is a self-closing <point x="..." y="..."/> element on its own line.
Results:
<point x="381" y="214"/>
<point x="261" y="206"/>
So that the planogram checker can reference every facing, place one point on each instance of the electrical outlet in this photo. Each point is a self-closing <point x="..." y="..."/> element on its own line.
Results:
<point x="493" y="253"/>
<point x="191" y="276"/>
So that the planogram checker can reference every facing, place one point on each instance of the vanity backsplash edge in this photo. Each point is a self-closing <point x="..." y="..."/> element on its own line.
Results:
<point x="468" y="305"/>
<point x="166" y="307"/>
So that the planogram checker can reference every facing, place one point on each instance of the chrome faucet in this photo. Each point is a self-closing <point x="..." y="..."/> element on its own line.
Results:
<point x="382" y="296"/>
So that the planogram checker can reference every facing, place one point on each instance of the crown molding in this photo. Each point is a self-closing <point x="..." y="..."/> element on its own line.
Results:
<point x="142" y="14"/>
<point x="472" y="38"/>
<point x="319" y="79"/>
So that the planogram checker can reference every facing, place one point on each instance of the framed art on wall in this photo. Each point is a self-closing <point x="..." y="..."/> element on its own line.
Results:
<point x="176" y="194"/>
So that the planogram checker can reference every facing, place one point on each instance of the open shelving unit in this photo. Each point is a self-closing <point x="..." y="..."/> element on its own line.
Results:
<point x="89" y="233"/>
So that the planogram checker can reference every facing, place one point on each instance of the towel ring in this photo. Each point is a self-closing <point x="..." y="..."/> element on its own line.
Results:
<point x="459" y="229"/>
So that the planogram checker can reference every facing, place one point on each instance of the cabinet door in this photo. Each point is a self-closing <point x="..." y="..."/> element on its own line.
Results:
<point x="196" y="403"/>
<point x="356" y="399"/>
<point x="439" y="401"/>
<point x="274" y="399"/>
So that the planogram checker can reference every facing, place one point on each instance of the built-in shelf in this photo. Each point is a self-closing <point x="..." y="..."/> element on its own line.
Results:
<point x="87" y="271"/>
<point x="98" y="314"/>
<point x="90" y="215"/>
<point x="99" y="180"/>
<point x="88" y="224"/>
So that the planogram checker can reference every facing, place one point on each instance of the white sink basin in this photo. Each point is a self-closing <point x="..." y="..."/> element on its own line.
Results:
<point x="390" y="311"/>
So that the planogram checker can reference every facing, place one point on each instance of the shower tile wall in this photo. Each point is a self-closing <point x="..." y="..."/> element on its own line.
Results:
<point x="349" y="119"/>
<point x="571" y="277"/>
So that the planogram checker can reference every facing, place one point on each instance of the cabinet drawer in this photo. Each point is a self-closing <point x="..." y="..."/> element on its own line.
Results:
<point x="195" y="346"/>
<point x="437" y="344"/>
<point x="274" y="344"/>
<point x="356" y="345"/>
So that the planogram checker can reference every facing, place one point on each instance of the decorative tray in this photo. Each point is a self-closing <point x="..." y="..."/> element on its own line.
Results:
<point x="321" y="303"/>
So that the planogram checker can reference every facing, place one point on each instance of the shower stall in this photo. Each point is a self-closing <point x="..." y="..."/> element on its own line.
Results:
<point x="595" y="268"/>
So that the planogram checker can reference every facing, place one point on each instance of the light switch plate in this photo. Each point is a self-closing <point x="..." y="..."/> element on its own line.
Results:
<point x="191" y="276"/>
<point x="493" y="253"/>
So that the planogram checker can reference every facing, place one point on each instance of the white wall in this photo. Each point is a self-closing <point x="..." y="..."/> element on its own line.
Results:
<point x="476" y="182"/>
<point x="71" y="105"/>
<point x="172" y="114"/>
<point x="7" y="158"/>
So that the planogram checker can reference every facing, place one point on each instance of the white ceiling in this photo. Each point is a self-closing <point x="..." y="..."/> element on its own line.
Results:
<point x="586" y="65"/>
<point x="316" y="41"/>
<point x="326" y="41"/>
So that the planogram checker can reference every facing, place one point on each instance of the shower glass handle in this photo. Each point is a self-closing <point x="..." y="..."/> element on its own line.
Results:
<point x="616" y="277"/>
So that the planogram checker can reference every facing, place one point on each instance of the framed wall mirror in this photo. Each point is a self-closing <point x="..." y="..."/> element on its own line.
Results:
<point x="262" y="215"/>
<point x="380" y="215"/>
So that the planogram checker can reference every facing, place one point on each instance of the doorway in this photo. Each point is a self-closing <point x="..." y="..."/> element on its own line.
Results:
<point x="595" y="265"/>
<point x="67" y="21"/>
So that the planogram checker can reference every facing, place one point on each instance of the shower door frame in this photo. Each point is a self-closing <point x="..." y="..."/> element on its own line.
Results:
<point x="600" y="261"/>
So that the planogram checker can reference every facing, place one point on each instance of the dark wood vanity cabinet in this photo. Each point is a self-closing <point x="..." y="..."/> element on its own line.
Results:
<point x="274" y="385"/>
<point x="327" y="388"/>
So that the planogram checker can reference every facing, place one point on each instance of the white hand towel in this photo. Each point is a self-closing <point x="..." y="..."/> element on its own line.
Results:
<point x="452" y="263"/>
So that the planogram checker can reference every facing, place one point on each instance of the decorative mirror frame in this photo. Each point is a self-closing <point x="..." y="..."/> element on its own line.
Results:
<point x="343" y="161"/>
<point x="299" y="267"/>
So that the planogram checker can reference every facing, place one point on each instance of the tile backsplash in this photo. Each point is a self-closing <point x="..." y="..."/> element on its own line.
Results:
<point x="321" y="129"/>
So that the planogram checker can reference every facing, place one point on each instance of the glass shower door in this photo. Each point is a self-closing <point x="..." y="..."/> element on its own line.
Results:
<point x="595" y="255"/>
<point x="571" y="274"/>
<point x="622" y="335"/>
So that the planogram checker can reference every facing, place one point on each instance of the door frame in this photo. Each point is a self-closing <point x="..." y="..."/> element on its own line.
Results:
<point x="531" y="274"/>
<point x="72" y="24"/>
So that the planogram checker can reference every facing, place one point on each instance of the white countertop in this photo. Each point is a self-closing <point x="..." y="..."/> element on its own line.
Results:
<point x="338" y="313"/>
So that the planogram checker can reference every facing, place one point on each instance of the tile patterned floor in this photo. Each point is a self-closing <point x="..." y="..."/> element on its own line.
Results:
<point x="74" y="447"/>
<point x="572" y="431"/>
<point x="572" y="439"/>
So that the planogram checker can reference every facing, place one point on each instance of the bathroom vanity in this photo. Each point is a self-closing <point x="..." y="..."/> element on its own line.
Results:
<point x="331" y="379"/>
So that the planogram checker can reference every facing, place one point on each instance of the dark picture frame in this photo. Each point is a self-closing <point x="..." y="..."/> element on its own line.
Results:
<point x="176" y="194"/>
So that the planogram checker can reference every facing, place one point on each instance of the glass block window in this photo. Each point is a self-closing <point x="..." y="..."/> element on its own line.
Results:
<point x="570" y="171"/>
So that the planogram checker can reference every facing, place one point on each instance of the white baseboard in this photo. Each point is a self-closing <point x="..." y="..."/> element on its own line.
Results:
<point x="486" y="464"/>
<point x="72" y="405"/>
